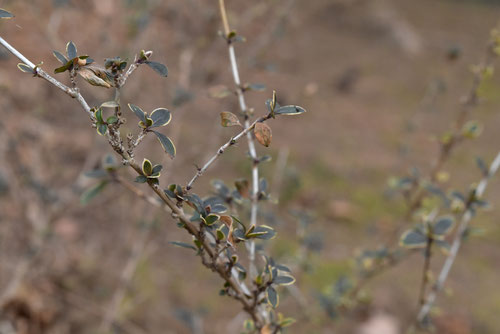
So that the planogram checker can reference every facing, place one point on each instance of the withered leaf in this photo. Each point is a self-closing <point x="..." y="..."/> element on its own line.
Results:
<point x="263" y="134"/>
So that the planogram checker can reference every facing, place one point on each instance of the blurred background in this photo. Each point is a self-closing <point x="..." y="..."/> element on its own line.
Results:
<point x="381" y="80"/>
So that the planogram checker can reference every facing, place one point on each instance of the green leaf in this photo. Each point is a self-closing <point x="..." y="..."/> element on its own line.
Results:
<point x="147" y="167"/>
<point x="146" y="125"/>
<point x="71" y="50"/>
<point x="284" y="280"/>
<point x="166" y="143"/>
<point x="110" y="104"/>
<point x="183" y="245"/>
<point x="64" y="68"/>
<point x="220" y="234"/>
<point x="442" y="226"/>
<point x="59" y="56"/>
<point x="160" y="117"/>
<point x="239" y="234"/>
<point x="5" y="14"/>
<point x="262" y="232"/>
<point x="157" y="169"/>
<point x="141" y="179"/>
<point x="211" y="219"/>
<point x="229" y="119"/>
<point x="25" y="68"/>
<point x="272" y="297"/>
<point x="289" y="110"/>
<point x="413" y="239"/>
<point x="92" y="192"/>
<point x="98" y="115"/>
<point x="101" y="128"/>
<point x="112" y="119"/>
<point x="158" y="67"/>
<point x="281" y="267"/>
<point x="138" y="112"/>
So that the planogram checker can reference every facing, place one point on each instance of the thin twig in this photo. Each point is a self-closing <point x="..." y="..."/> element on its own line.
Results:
<point x="427" y="257"/>
<point x="222" y="149"/>
<point x="73" y="92"/>
<point x="466" y="218"/>
<point x="425" y="271"/>
<point x="250" y="140"/>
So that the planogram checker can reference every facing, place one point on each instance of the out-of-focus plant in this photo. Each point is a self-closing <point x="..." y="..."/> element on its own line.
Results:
<point x="425" y="195"/>
<point x="217" y="226"/>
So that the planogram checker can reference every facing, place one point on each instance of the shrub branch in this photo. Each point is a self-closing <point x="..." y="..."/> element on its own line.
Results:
<point x="250" y="139"/>
<point x="215" y="263"/>
<point x="457" y="242"/>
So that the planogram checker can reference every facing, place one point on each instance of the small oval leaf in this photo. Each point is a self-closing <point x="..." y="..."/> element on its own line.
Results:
<point x="158" y="68"/>
<point x="160" y="117"/>
<point x="211" y="219"/>
<point x="25" y="68"/>
<point x="102" y="128"/>
<point x="272" y="297"/>
<point x="263" y="134"/>
<point x="138" y="112"/>
<point x="59" y="56"/>
<point x="413" y="239"/>
<point x="229" y="119"/>
<point x="284" y="280"/>
<point x="98" y="115"/>
<point x="5" y="14"/>
<point x="442" y="226"/>
<point x="147" y="167"/>
<point x="289" y="110"/>
<point x="71" y="50"/>
<point x="111" y="119"/>
<point x="64" y="68"/>
<point x="110" y="104"/>
<point x="166" y="143"/>
<point x="141" y="179"/>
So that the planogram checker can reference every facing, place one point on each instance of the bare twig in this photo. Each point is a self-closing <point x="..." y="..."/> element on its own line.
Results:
<point x="466" y="218"/>
<point x="73" y="92"/>
<point x="251" y="143"/>
<point x="222" y="149"/>
<point x="427" y="258"/>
